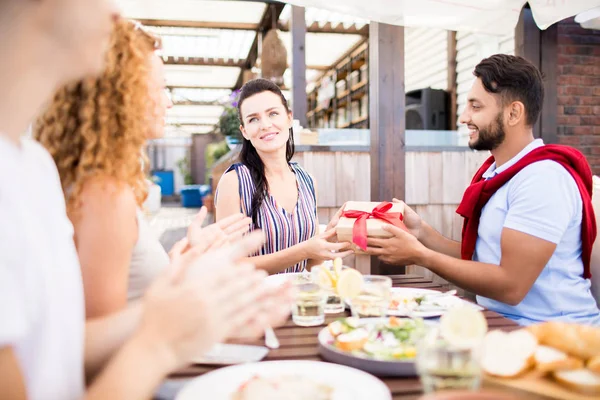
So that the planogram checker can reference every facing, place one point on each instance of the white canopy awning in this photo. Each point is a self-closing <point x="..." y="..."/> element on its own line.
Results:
<point x="486" y="16"/>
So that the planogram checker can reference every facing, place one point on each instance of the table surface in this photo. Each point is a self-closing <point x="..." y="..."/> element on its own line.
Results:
<point x="300" y="343"/>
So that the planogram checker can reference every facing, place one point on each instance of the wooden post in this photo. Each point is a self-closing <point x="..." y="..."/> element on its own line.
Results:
<point x="549" y="68"/>
<point x="541" y="48"/>
<point x="452" y="53"/>
<point x="386" y="115"/>
<point x="298" y="29"/>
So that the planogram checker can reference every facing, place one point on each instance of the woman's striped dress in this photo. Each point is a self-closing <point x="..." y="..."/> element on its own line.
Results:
<point x="282" y="229"/>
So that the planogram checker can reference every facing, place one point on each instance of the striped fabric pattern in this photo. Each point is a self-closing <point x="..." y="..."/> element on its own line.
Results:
<point x="282" y="229"/>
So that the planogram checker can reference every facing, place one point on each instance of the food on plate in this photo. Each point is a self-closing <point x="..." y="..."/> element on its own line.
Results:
<point x="289" y="387"/>
<point x="423" y="303"/>
<point x="390" y="339"/>
<point x="463" y="327"/>
<point x="353" y="340"/>
<point x="405" y="301"/>
<point x="581" y="380"/>
<point x="580" y="341"/>
<point x="508" y="355"/>
<point x="548" y="359"/>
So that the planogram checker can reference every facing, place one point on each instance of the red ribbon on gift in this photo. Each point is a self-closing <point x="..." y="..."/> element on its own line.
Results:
<point x="359" y="230"/>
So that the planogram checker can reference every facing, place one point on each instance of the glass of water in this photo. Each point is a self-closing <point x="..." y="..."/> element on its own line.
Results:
<point x="374" y="297"/>
<point x="308" y="308"/>
<point x="326" y="277"/>
<point x="442" y="366"/>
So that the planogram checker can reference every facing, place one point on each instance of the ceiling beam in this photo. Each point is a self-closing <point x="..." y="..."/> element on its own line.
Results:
<point x="318" y="67"/>
<point x="329" y="28"/>
<point x="196" y="103"/>
<point x="201" y="61"/>
<point x="186" y="124"/>
<point x="197" y="87"/>
<point x="199" y="24"/>
<point x="272" y="13"/>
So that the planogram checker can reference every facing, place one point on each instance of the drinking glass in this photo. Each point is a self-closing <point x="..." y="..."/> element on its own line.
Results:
<point x="308" y="308"/>
<point x="334" y="303"/>
<point x="374" y="297"/>
<point x="442" y="366"/>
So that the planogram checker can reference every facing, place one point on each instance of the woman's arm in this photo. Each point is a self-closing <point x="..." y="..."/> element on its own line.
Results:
<point x="318" y="247"/>
<point x="106" y="232"/>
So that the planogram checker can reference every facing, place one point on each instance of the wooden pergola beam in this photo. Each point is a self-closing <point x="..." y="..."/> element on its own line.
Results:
<point x="201" y="61"/>
<point x="187" y="124"/>
<point x="196" y="103"/>
<point x="283" y="26"/>
<point x="328" y="28"/>
<point x="197" y="87"/>
<point x="199" y="24"/>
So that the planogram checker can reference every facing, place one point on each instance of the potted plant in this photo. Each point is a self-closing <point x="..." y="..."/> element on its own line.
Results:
<point x="213" y="152"/>
<point x="185" y="169"/>
<point x="229" y="122"/>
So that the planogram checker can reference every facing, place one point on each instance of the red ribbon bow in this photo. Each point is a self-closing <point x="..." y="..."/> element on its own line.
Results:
<point x="359" y="230"/>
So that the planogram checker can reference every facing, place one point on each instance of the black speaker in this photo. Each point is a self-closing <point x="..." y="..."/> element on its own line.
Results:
<point x="427" y="109"/>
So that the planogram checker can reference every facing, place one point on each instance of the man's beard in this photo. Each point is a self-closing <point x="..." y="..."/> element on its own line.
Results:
<point x="490" y="137"/>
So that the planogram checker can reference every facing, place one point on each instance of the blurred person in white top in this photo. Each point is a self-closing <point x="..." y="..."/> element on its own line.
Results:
<point x="46" y="346"/>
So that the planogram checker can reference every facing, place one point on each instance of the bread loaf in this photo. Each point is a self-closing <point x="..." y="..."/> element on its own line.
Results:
<point x="581" y="341"/>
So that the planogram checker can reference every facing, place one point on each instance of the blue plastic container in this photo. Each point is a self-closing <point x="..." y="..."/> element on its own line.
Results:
<point x="204" y="190"/>
<point x="191" y="197"/>
<point x="166" y="180"/>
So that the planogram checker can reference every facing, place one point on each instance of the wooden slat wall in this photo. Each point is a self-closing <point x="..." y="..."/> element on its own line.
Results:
<point x="435" y="182"/>
<point x="471" y="48"/>
<point x="426" y="58"/>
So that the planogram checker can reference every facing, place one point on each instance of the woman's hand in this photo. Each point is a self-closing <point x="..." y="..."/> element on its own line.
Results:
<point x="320" y="247"/>
<point x="214" y="236"/>
<point x="333" y="223"/>
<point x="203" y="299"/>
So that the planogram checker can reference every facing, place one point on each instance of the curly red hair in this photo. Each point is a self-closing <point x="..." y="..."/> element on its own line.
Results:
<point x="98" y="126"/>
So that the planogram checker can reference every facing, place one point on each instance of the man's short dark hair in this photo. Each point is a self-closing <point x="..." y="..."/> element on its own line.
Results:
<point x="514" y="79"/>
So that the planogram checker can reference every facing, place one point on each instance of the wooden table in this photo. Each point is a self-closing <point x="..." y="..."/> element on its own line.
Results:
<point x="300" y="343"/>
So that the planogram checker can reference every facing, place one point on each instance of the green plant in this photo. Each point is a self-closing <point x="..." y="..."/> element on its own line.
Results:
<point x="213" y="152"/>
<point x="229" y="123"/>
<point x="185" y="169"/>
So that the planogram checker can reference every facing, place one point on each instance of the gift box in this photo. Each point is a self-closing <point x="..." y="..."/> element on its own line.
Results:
<point x="363" y="219"/>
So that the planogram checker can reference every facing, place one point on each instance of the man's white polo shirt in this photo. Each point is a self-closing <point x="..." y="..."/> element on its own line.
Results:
<point x="541" y="200"/>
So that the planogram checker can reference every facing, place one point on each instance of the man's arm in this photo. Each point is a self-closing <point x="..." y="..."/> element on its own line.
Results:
<point x="430" y="238"/>
<point x="105" y="335"/>
<point x="523" y="259"/>
<point x="543" y="200"/>
<point x="435" y="241"/>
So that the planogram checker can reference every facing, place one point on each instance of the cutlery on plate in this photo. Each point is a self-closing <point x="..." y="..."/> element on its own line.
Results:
<point x="271" y="340"/>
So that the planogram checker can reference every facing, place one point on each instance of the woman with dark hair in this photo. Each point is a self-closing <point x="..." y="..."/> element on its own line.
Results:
<point x="278" y="194"/>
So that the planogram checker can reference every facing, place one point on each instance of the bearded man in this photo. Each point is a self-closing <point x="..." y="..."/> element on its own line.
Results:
<point x="529" y="222"/>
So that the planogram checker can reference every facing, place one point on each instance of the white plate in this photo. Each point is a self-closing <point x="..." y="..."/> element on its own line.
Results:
<point x="446" y="302"/>
<point x="229" y="354"/>
<point x="280" y="279"/>
<point x="348" y="383"/>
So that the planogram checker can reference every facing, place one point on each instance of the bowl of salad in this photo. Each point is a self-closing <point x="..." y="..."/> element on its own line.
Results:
<point x="380" y="346"/>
